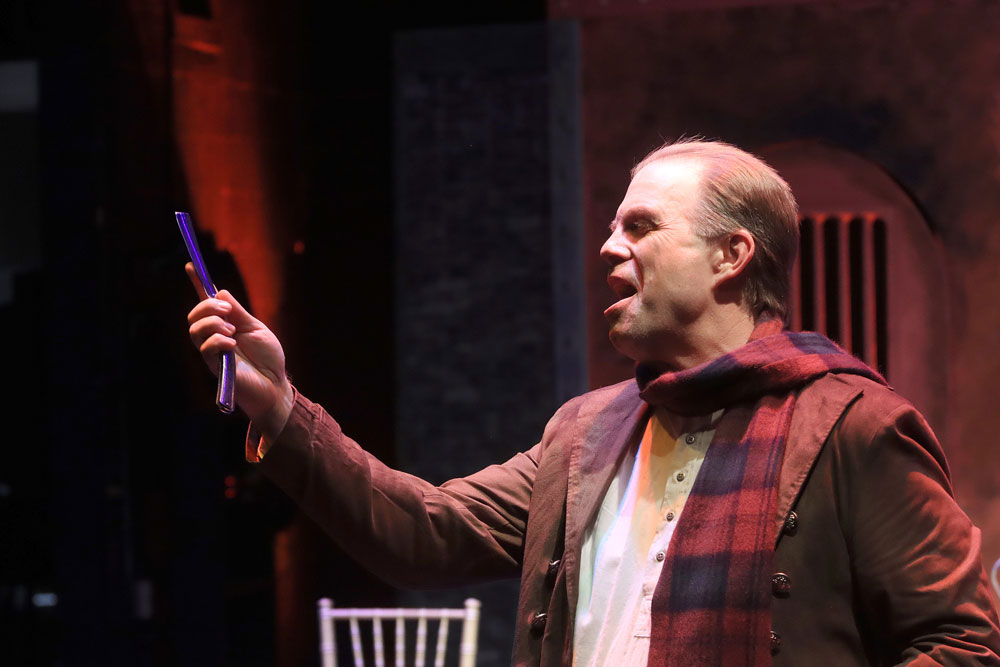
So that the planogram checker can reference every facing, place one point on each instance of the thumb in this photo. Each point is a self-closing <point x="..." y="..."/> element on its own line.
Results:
<point x="239" y="315"/>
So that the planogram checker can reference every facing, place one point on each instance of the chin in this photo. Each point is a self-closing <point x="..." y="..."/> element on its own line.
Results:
<point x="625" y="344"/>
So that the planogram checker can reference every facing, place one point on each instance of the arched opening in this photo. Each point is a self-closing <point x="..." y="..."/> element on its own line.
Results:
<point x="870" y="272"/>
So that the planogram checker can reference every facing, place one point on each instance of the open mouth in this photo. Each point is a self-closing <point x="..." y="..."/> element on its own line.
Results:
<point x="622" y="288"/>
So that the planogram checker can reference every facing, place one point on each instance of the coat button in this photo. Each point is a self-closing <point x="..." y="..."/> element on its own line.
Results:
<point x="537" y="623"/>
<point x="781" y="585"/>
<point x="775" y="642"/>
<point x="791" y="523"/>
<point x="552" y="571"/>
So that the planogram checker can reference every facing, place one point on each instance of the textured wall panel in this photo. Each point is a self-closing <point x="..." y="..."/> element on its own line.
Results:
<point x="476" y="336"/>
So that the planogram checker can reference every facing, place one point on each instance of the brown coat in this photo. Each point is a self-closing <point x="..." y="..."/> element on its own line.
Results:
<point x="884" y="567"/>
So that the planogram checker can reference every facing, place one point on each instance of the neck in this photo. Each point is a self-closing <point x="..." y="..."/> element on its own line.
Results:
<point x="711" y="336"/>
<point x="676" y="424"/>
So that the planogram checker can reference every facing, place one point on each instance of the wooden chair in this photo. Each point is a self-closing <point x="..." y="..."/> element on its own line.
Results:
<point x="469" y="616"/>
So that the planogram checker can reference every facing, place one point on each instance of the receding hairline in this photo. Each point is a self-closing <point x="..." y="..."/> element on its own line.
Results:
<point x="697" y="172"/>
<point x="717" y="161"/>
<point x="697" y="148"/>
<point x="699" y="160"/>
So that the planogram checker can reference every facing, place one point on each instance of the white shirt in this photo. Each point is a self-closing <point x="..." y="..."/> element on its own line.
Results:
<point x="623" y="551"/>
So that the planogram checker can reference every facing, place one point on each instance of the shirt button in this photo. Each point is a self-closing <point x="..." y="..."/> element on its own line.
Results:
<point x="689" y="439"/>
<point x="670" y="516"/>
<point x="660" y="556"/>
<point x="680" y="477"/>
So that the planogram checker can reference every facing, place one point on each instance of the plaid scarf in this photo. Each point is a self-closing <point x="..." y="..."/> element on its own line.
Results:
<point x="711" y="605"/>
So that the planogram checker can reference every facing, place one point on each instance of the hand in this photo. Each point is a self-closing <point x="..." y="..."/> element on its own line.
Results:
<point x="262" y="389"/>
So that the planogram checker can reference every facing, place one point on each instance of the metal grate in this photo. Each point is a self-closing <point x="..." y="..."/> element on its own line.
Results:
<point x="839" y="283"/>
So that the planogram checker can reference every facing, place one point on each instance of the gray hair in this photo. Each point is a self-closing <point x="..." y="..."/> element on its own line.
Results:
<point x="741" y="191"/>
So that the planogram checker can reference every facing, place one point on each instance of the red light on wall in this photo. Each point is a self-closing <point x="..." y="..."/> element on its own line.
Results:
<point x="221" y="93"/>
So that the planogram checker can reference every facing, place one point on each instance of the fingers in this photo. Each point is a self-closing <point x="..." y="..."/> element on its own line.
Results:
<point x="209" y="308"/>
<point x="193" y="277"/>
<point x="203" y="328"/>
<point x="216" y="344"/>
<point x="221" y="305"/>
<point x="238" y="315"/>
<point x="213" y="347"/>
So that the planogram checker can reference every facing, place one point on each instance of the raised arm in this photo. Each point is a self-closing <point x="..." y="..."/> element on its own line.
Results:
<point x="402" y="528"/>
<point x="399" y="526"/>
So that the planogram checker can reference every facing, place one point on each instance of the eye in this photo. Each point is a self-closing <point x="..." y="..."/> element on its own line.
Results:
<point x="637" y="226"/>
<point x="634" y="224"/>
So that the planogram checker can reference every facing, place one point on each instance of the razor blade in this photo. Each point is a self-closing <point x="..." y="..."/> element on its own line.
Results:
<point x="226" y="392"/>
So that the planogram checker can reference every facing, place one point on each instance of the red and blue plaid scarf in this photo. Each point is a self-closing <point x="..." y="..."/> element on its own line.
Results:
<point x="712" y="603"/>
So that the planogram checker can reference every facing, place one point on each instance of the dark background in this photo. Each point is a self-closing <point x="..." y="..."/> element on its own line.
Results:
<point x="408" y="194"/>
<point x="117" y="466"/>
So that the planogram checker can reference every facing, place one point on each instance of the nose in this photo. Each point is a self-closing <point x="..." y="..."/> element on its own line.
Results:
<point x="614" y="250"/>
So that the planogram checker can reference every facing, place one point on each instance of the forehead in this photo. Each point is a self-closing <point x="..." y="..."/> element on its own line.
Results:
<point x="665" y="184"/>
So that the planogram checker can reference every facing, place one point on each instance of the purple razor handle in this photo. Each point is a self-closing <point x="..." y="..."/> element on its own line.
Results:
<point x="225" y="395"/>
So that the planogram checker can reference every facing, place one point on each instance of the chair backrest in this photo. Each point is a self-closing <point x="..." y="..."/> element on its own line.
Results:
<point x="469" y="616"/>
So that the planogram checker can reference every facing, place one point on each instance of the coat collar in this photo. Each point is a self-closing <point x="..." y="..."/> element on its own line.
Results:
<point x="592" y="465"/>
<point x="595" y="459"/>
<point x="817" y="410"/>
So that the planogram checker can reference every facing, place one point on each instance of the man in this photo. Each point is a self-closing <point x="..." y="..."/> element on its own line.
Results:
<point x="753" y="496"/>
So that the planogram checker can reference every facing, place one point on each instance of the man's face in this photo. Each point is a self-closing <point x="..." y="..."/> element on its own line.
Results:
<point x="660" y="269"/>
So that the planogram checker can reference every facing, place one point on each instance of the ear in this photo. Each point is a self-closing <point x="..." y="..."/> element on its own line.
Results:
<point x="733" y="255"/>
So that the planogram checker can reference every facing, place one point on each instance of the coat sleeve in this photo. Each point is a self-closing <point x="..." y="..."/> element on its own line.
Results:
<point x="405" y="530"/>
<point x="916" y="557"/>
